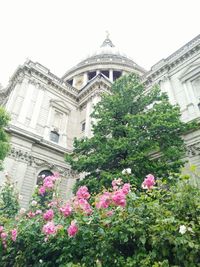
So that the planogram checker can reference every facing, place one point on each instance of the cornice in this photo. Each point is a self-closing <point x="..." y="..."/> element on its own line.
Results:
<point x="49" y="79"/>
<point x="35" y="138"/>
<point x="173" y="61"/>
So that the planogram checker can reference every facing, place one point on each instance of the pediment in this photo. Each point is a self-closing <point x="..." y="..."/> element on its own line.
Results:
<point x="98" y="78"/>
<point x="191" y="72"/>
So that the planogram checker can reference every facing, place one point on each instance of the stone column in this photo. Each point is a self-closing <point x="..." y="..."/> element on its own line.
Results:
<point x="85" y="78"/>
<point x="25" y="104"/>
<point x="36" y="110"/>
<point x="167" y="87"/>
<point x="88" y="119"/>
<point x="111" y="75"/>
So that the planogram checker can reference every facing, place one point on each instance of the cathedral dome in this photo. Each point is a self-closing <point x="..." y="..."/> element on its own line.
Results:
<point x="108" y="60"/>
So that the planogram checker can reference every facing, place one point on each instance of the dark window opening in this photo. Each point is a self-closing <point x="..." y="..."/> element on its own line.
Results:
<point x="42" y="175"/>
<point x="116" y="75"/>
<point x="54" y="136"/>
<point x="105" y="72"/>
<point x="70" y="82"/>
<point x="198" y="106"/>
<point x="91" y="74"/>
<point x="83" y="127"/>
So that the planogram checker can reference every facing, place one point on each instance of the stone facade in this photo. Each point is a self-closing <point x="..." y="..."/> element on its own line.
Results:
<point x="47" y="112"/>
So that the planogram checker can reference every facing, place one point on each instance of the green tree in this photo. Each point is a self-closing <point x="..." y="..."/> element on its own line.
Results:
<point x="135" y="129"/>
<point x="4" y="142"/>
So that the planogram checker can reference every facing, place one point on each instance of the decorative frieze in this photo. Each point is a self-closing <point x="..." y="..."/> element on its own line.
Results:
<point x="193" y="150"/>
<point x="30" y="160"/>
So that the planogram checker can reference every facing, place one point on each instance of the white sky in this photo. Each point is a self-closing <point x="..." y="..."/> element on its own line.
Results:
<point x="60" y="33"/>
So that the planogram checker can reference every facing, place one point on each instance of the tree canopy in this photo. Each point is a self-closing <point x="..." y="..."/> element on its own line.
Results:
<point x="134" y="128"/>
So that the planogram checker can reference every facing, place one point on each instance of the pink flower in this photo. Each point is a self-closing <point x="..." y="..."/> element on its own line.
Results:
<point x="1" y="228"/>
<point x="4" y="235"/>
<point x="53" y="203"/>
<point x="126" y="188"/>
<point x="38" y="212"/>
<point x="14" y="234"/>
<point x="83" y="192"/>
<point x="66" y="210"/>
<point x="83" y="205"/>
<point x="48" y="215"/>
<point x="119" y="198"/>
<point x="109" y="213"/>
<point x="72" y="229"/>
<point x="149" y="182"/>
<point x="31" y="214"/>
<point x="42" y="190"/>
<point x="104" y="201"/>
<point x="116" y="183"/>
<point x="48" y="182"/>
<point x="49" y="228"/>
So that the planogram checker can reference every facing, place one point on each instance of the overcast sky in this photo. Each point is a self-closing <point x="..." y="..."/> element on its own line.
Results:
<point x="60" y="33"/>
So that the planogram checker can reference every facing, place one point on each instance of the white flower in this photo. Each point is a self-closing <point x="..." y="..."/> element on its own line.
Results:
<point x="33" y="203"/>
<point x="126" y="171"/>
<point x="182" y="229"/>
<point x="40" y="261"/>
<point x="20" y="197"/>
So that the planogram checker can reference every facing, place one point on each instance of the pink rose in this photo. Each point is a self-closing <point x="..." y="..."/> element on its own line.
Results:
<point x="42" y="190"/>
<point x="83" y="192"/>
<point x="38" y="212"/>
<point x="48" y="182"/>
<point x="49" y="228"/>
<point x="119" y="198"/>
<point x="116" y="183"/>
<point x="66" y="210"/>
<point x="149" y="182"/>
<point x="31" y="214"/>
<point x="1" y="228"/>
<point x="3" y="235"/>
<point x="104" y="201"/>
<point x="82" y="205"/>
<point x="126" y="188"/>
<point x="48" y="215"/>
<point x="14" y="234"/>
<point x="72" y="229"/>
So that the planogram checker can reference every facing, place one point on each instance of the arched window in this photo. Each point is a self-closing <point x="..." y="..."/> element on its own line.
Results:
<point x="42" y="175"/>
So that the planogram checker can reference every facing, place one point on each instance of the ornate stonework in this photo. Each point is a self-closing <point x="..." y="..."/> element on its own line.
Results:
<point x="193" y="150"/>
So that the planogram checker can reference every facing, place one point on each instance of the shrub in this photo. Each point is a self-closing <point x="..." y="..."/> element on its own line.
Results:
<point x="122" y="226"/>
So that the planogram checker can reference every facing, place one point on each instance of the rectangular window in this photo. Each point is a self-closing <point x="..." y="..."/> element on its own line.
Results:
<point x="54" y="136"/>
<point x="83" y="126"/>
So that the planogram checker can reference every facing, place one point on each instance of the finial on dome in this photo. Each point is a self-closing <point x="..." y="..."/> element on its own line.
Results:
<point x="107" y="41"/>
<point x="107" y="35"/>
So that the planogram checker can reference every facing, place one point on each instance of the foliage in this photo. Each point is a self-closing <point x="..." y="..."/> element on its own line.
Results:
<point x="120" y="227"/>
<point x="4" y="142"/>
<point x="134" y="128"/>
<point x="9" y="201"/>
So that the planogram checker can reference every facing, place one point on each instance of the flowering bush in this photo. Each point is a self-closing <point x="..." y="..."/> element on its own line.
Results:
<point x="118" y="227"/>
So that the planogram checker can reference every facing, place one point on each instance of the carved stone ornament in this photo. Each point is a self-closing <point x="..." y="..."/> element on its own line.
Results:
<point x="193" y="150"/>
<point x="24" y="156"/>
<point x="21" y="155"/>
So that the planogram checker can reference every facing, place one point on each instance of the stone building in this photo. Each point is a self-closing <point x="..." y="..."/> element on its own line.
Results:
<point x="47" y="112"/>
